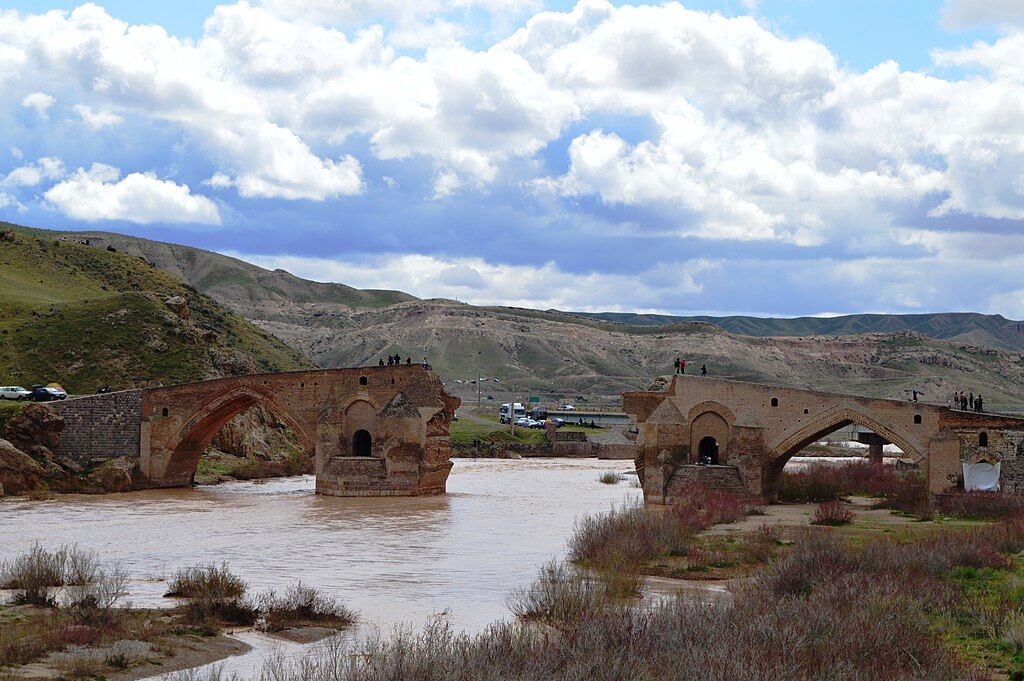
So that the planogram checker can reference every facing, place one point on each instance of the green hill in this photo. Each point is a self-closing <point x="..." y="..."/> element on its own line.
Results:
<point x="87" y="317"/>
<point x="251" y="290"/>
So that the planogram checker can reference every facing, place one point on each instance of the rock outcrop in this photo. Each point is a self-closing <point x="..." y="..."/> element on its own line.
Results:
<point x="36" y="426"/>
<point x="19" y="473"/>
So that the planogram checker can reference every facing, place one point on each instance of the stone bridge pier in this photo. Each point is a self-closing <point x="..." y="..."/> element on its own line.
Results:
<point x="373" y="431"/>
<point x="746" y="432"/>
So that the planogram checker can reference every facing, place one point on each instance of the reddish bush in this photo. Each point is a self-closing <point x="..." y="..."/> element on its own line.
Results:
<point x="65" y="634"/>
<point x="980" y="505"/>
<point x="818" y="482"/>
<point x="832" y="513"/>
<point x="705" y="507"/>
<point x="826" y="482"/>
<point x="909" y="494"/>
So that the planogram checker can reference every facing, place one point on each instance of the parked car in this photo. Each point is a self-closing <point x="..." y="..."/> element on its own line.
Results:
<point x="14" y="392"/>
<point x="557" y="421"/>
<point x="44" y="394"/>
<point x="58" y="390"/>
<point x="568" y="407"/>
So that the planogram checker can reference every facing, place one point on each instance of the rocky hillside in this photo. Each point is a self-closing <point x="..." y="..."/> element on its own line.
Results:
<point x="994" y="331"/>
<point x="568" y="353"/>
<point x="88" y="317"/>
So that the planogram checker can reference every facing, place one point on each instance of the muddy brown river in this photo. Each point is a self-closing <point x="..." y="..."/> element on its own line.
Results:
<point x="394" y="560"/>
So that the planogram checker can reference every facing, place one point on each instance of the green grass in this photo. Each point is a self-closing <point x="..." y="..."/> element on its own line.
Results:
<point x="86" y="317"/>
<point x="8" y="410"/>
<point x="979" y="630"/>
<point x="464" y="432"/>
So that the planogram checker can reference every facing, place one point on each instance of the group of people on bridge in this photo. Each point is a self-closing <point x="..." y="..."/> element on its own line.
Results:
<point x="968" y="401"/>
<point x="680" y="365"/>
<point x="396" y="360"/>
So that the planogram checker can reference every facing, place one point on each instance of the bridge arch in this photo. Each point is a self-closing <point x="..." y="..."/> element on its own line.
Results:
<point x="196" y="433"/>
<point x="829" y="421"/>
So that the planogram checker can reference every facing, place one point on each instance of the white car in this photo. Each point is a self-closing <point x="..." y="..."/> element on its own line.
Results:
<point x="14" y="392"/>
<point x="568" y="407"/>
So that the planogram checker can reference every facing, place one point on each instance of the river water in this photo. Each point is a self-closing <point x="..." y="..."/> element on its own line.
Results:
<point x="393" y="560"/>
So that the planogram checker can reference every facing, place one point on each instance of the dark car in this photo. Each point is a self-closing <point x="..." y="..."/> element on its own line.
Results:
<point x="46" y="395"/>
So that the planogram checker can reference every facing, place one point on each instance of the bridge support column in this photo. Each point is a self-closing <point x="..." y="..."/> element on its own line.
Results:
<point x="875" y="444"/>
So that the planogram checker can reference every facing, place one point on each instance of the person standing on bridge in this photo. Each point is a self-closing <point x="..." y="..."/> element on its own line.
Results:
<point x="979" y="406"/>
<point x="682" y="367"/>
<point x="381" y="362"/>
<point x="676" y="365"/>
<point x="963" y="402"/>
<point x="703" y="369"/>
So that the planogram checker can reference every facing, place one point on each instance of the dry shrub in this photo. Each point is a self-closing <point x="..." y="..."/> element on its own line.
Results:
<point x="206" y="581"/>
<point x="832" y="513"/>
<point x="759" y="547"/>
<point x="560" y="597"/>
<point x="980" y="505"/>
<point x="302" y="605"/>
<point x="610" y="478"/>
<point x="21" y="643"/>
<point x="633" y="533"/>
<point x="80" y="664"/>
<point x="629" y="534"/>
<point x="1013" y="631"/>
<point x="36" y="576"/>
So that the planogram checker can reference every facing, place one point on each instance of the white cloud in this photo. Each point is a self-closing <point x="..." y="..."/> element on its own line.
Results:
<point x="745" y="134"/>
<point x="33" y="174"/>
<point x="41" y="102"/>
<point x="101" y="194"/>
<point x="17" y="153"/>
<point x="475" y="281"/>
<point x="963" y="14"/>
<point x="97" y="120"/>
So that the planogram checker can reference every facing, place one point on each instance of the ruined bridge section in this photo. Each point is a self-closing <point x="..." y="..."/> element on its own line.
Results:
<point x="749" y="431"/>
<point x="374" y="431"/>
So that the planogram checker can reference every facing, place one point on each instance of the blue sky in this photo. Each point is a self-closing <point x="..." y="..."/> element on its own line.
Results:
<point x="777" y="157"/>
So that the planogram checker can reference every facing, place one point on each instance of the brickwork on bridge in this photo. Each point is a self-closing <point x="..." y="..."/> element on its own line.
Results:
<point x="755" y="429"/>
<point x="100" y="427"/>
<point x="373" y="431"/>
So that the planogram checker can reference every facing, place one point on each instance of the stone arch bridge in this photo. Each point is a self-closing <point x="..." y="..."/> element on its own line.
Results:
<point x="749" y="431"/>
<point x="373" y="431"/>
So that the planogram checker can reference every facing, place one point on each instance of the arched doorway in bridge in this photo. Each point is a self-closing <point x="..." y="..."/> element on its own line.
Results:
<point x="362" y="443"/>
<point x="707" y="451"/>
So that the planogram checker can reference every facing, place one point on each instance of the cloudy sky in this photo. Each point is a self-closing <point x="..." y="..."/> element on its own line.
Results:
<point x="778" y="157"/>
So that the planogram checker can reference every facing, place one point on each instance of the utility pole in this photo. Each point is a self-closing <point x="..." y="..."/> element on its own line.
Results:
<point x="512" y="411"/>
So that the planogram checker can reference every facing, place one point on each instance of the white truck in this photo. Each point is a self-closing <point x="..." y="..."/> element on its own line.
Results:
<point x="517" y="409"/>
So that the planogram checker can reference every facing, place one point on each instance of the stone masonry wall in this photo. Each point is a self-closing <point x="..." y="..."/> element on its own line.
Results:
<point x="100" y="427"/>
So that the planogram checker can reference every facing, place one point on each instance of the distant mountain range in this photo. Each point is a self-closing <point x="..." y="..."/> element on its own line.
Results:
<point x="993" y="331"/>
<point x="604" y="353"/>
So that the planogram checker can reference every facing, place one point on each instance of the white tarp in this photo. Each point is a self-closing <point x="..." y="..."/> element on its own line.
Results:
<point x="982" y="477"/>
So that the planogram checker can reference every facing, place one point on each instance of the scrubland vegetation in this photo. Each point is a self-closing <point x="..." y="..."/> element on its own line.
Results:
<point x="67" y="602"/>
<point x="943" y="602"/>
